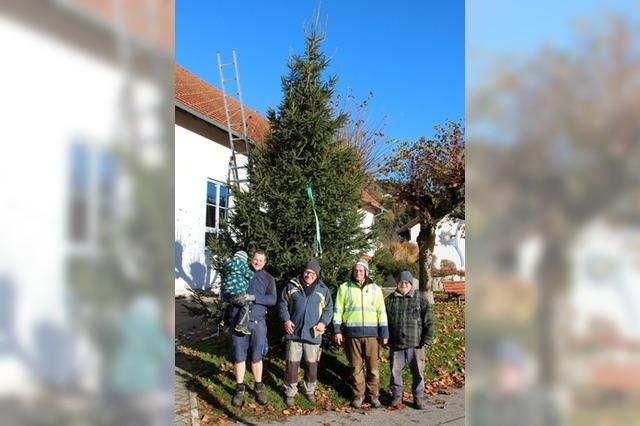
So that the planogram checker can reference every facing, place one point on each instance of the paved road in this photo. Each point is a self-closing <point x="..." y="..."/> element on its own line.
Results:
<point x="452" y="414"/>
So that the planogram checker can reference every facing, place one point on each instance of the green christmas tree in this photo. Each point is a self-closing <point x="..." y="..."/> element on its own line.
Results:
<point x="275" y="212"/>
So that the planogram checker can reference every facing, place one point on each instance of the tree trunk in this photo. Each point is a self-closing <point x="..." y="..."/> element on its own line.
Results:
<point x="426" y="244"/>
<point x="553" y="279"/>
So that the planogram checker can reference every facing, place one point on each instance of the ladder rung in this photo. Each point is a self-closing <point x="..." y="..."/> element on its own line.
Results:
<point x="224" y="80"/>
<point x="228" y="64"/>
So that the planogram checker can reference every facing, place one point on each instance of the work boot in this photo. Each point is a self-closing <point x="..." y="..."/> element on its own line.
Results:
<point x="310" y="397"/>
<point x="396" y="400"/>
<point x="290" y="401"/>
<point x="238" y="396"/>
<point x="375" y="402"/>
<point x="356" y="403"/>
<point x="261" y="398"/>
<point x="420" y="403"/>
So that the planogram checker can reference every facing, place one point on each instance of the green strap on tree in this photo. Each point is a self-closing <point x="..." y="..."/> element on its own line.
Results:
<point x="318" y="244"/>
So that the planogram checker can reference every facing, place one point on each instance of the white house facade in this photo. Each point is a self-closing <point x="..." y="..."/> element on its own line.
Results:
<point x="65" y="96"/>
<point x="605" y="276"/>
<point x="450" y="240"/>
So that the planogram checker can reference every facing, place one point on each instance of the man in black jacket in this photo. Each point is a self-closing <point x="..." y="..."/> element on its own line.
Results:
<point x="410" y="330"/>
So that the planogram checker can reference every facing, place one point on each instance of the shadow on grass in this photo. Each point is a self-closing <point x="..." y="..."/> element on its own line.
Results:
<point x="335" y="372"/>
<point x="274" y="368"/>
<point x="206" y="396"/>
<point x="210" y="362"/>
<point x="220" y="382"/>
<point x="214" y="382"/>
<point x="202" y="368"/>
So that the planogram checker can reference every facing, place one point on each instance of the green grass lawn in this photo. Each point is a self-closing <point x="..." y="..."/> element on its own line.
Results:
<point x="209" y="362"/>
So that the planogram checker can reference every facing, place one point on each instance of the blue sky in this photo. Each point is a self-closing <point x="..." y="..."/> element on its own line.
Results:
<point x="409" y="54"/>
<point x="505" y="28"/>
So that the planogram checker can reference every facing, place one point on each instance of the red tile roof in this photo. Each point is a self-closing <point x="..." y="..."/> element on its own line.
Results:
<point x="365" y="197"/>
<point x="200" y="96"/>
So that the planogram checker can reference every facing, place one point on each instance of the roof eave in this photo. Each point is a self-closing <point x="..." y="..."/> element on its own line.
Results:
<point x="209" y="120"/>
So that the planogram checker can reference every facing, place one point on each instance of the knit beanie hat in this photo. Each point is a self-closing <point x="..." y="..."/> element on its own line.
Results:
<point x="405" y="276"/>
<point x="364" y="264"/>
<point x="241" y="255"/>
<point x="313" y="265"/>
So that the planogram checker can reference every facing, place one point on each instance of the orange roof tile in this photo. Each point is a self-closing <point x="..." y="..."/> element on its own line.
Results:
<point x="367" y="198"/>
<point x="200" y="96"/>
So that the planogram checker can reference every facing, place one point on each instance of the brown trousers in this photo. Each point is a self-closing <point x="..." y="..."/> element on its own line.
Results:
<point x="363" y="352"/>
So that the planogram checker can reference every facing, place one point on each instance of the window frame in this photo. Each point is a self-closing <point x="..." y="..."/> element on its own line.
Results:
<point x="216" y="205"/>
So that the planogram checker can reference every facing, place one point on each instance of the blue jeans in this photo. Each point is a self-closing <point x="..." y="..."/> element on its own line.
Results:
<point x="415" y="358"/>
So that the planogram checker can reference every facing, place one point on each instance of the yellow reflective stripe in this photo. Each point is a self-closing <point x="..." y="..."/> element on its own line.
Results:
<point x="322" y="303"/>
<point x="358" y="309"/>
<point x="290" y="294"/>
<point x="360" y="324"/>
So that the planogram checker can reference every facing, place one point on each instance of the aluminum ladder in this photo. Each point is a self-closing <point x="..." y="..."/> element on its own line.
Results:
<point x="236" y="121"/>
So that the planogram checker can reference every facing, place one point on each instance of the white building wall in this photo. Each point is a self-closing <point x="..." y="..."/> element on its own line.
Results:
<point x="367" y="222"/>
<point x="71" y="98"/>
<point x="444" y="249"/>
<point x="605" y="276"/>
<point x="197" y="159"/>
<point x="413" y="233"/>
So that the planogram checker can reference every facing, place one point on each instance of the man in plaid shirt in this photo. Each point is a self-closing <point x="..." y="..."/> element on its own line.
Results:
<point x="410" y="330"/>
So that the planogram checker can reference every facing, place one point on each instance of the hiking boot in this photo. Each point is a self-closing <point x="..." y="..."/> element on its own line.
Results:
<point x="420" y="403"/>
<point x="310" y="397"/>
<point x="396" y="401"/>
<point x="261" y="398"/>
<point x="290" y="401"/>
<point x="375" y="402"/>
<point x="356" y="403"/>
<point x="238" y="396"/>
<point x="243" y="330"/>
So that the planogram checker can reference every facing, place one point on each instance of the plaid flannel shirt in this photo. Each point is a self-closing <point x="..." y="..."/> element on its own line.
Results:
<point x="409" y="318"/>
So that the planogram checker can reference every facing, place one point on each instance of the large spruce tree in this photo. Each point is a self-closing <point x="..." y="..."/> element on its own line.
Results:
<point x="274" y="213"/>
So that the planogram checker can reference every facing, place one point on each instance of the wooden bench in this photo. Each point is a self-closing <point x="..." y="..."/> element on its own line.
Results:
<point x="453" y="289"/>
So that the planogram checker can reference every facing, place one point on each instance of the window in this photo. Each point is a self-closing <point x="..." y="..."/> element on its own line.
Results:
<point x="92" y="181"/>
<point x="217" y="206"/>
<point x="78" y="225"/>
